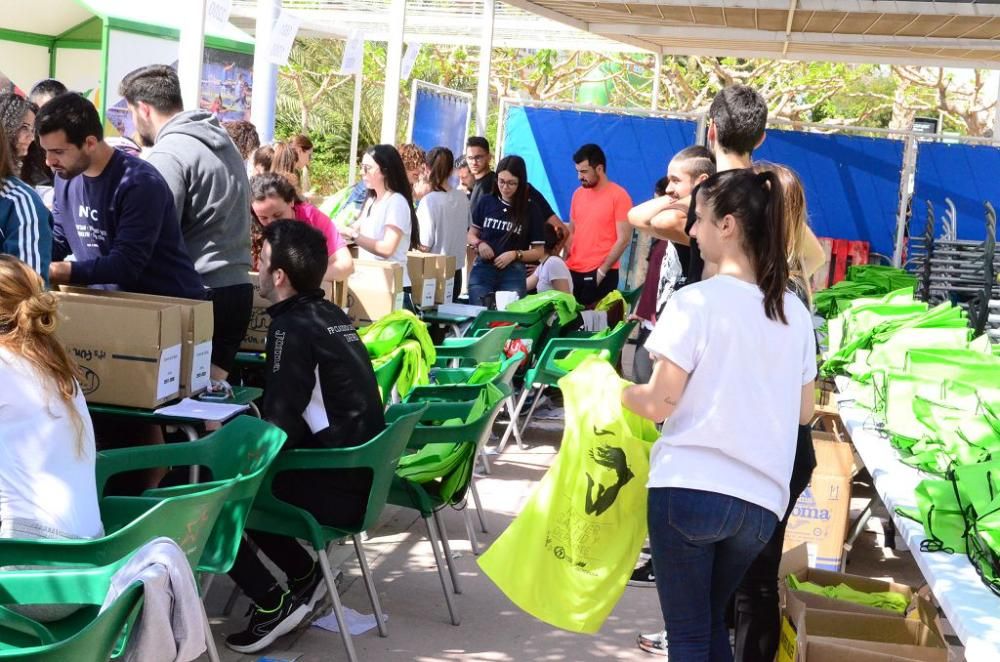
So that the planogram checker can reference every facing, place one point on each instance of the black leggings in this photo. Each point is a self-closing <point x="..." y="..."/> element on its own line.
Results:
<point x="757" y="618"/>
<point x="253" y="577"/>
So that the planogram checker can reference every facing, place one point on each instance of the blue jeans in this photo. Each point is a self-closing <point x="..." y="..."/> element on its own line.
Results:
<point x="702" y="543"/>
<point x="486" y="280"/>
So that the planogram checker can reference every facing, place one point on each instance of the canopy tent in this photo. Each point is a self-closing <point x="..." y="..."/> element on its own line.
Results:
<point x="91" y="44"/>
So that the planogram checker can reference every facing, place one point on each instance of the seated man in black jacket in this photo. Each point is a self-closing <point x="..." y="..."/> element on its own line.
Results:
<point x="321" y="391"/>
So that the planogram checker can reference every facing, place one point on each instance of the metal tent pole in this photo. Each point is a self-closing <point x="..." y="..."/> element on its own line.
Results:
<point x="265" y="74"/>
<point x="393" y="73"/>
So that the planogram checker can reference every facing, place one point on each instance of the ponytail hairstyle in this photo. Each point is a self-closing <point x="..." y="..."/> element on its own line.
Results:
<point x="285" y="162"/>
<point x="757" y="202"/>
<point x="27" y="326"/>
<point x="514" y="165"/>
<point x="796" y="222"/>
<point x="440" y="163"/>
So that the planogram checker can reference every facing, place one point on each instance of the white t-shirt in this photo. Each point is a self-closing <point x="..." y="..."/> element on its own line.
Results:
<point x="444" y="224"/>
<point x="735" y="428"/>
<point x="554" y="268"/>
<point x="390" y="210"/>
<point x="42" y="477"/>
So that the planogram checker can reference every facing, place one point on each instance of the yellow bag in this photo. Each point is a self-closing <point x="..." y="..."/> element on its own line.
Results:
<point x="567" y="557"/>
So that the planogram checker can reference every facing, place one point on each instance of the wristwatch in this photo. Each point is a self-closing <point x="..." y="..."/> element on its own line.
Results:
<point x="519" y="254"/>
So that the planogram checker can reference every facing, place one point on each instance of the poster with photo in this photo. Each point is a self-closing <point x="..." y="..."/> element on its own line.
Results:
<point x="227" y="84"/>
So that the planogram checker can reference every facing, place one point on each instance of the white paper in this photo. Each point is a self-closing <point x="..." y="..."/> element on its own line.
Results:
<point x="283" y="38"/>
<point x="357" y="623"/>
<point x="449" y="289"/>
<point x="217" y="13"/>
<point x="409" y="59"/>
<point x="427" y="296"/>
<point x="354" y="54"/>
<point x="168" y="377"/>
<point x="201" y="366"/>
<point x="449" y="308"/>
<point x="504" y="299"/>
<point x="398" y="303"/>
<point x="204" y="411"/>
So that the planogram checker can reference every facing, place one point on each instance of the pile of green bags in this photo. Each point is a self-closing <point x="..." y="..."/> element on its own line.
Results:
<point x="937" y="392"/>
<point x="862" y="281"/>
<point x="565" y="306"/>
<point x="401" y="332"/>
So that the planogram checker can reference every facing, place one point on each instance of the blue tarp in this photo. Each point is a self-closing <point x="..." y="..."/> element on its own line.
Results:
<point x="440" y="120"/>
<point x="638" y="148"/>
<point x="965" y="173"/>
<point x="851" y="182"/>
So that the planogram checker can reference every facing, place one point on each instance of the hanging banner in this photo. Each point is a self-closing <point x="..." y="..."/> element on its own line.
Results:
<point x="283" y="38"/>
<point x="217" y="13"/>
<point x="409" y="59"/>
<point x="354" y="54"/>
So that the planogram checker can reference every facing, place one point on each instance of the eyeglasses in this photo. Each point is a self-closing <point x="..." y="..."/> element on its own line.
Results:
<point x="477" y="158"/>
<point x="366" y="168"/>
<point x="507" y="183"/>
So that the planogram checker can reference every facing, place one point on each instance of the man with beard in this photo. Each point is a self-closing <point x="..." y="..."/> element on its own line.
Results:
<point x="211" y="195"/>
<point x="601" y="232"/>
<point x="113" y="212"/>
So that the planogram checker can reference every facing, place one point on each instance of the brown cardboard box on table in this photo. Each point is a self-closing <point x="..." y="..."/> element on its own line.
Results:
<point x="197" y="327"/>
<point x="818" y="635"/>
<point x="255" y="337"/>
<point x="820" y="515"/>
<point x="424" y="272"/>
<point x="375" y="289"/>
<point x="447" y="266"/>
<point x="130" y="355"/>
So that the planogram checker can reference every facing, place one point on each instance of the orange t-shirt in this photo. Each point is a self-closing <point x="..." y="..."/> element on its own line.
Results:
<point x="595" y="213"/>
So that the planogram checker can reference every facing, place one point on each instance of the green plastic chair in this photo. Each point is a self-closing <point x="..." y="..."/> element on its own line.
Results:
<point x="242" y="451"/>
<point x="386" y="376"/>
<point x="186" y="519"/>
<point x="632" y="299"/>
<point x="489" y="319"/>
<point x="546" y="373"/>
<point x="380" y="455"/>
<point x="423" y="497"/>
<point x="487" y="347"/>
<point x="25" y="640"/>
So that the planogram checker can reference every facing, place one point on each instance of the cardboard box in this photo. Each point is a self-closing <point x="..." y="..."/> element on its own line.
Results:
<point x="197" y="328"/>
<point x="424" y="272"/>
<point x="129" y="355"/>
<point x="817" y="635"/>
<point x="820" y="516"/>
<point x="255" y="338"/>
<point x="447" y="266"/>
<point x="795" y="562"/>
<point x="375" y="289"/>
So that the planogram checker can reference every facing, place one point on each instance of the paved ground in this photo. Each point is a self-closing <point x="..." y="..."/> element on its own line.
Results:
<point x="492" y="628"/>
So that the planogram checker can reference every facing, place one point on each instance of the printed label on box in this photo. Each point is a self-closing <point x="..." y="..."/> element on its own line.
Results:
<point x="427" y="296"/>
<point x="168" y="377"/>
<point x="398" y="304"/>
<point x="201" y="366"/>
<point x="449" y="290"/>
<point x="788" y="643"/>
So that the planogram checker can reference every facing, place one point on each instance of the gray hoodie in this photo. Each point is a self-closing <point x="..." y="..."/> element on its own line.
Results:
<point x="211" y="193"/>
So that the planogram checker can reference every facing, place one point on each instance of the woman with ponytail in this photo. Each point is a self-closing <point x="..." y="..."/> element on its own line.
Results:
<point x="444" y="213"/>
<point x="735" y="361"/>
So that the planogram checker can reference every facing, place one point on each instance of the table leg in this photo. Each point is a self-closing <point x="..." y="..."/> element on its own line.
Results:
<point x="194" y="470"/>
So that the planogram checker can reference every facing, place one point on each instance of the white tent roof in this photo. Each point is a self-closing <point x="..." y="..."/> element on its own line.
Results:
<point x="948" y="33"/>
<point x="435" y="21"/>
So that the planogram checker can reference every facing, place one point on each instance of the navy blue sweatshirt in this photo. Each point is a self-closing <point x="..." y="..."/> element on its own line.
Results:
<point x="121" y="229"/>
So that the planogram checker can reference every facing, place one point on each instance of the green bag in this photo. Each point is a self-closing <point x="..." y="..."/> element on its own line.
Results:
<point x="567" y="557"/>
<point x="566" y="307"/>
<point x="887" y="600"/>
<point x="941" y="514"/>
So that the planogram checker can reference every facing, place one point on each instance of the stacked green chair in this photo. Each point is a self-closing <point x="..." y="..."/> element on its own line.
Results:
<point x="380" y="455"/>
<point x="473" y="349"/>
<point x="547" y="372"/>
<point x="187" y="519"/>
<point x="23" y="639"/>
<point x="428" y="497"/>
<point x="632" y="299"/>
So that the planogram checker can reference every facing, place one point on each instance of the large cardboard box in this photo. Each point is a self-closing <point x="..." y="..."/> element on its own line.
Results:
<point x="129" y="355"/>
<point x="447" y="266"/>
<point x="197" y="327"/>
<point x="424" y="272"/>
<point x="820" y="515"/>
<point x="817" y="635"/>
<point x="795" y="562"/>
<point x="375" y="289"/>
<point x="255" y="338"/>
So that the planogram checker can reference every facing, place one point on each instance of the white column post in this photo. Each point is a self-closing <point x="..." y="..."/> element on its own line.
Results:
<point x="359" y="77"/>
<point x="654" y="104"/>
<point x="909" y="165"/>
<point x="485" y="56"/>
<point x="393" y="65"/>
<point x="265" y="74"/>
<point x="191" y="47"/>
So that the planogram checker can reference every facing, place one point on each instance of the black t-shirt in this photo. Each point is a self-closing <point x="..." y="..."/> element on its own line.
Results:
<point x="693" y="260"/>
<point x="492" y="216"/>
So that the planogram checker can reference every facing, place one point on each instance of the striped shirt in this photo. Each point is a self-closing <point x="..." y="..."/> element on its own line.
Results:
<point x="25" y="226"/>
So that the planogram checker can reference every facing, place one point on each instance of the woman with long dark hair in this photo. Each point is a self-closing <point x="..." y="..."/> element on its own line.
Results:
<point x="506" y="232"/>
<point x="17" y="118"/>
<point x="444" y="213"/>
<point x="387" y="226"/>
<point x="25" y="222"/>
<point x="734" y="374"/>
